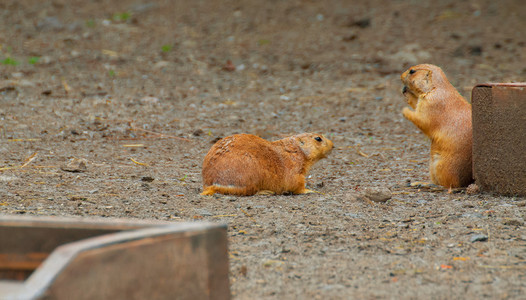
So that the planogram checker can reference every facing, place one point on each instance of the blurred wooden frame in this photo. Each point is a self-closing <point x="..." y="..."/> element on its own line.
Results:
<point x="75" y="258"/>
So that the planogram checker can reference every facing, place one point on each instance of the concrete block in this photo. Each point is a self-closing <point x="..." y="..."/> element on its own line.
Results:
<point x="499" y="137"/>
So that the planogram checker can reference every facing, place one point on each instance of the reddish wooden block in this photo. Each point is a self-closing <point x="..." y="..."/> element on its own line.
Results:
<point x="111" y="259"/>
<point x="499" y="137"/>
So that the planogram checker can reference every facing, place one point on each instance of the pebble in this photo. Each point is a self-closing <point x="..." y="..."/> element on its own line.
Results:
<point x="50" y="23"/>
<point x="150" y="100"/>
<point x="147" y="179"/>
<point x="198" y="132"/>
<point x="478" y="238"/>
<point x="204" y="212"/>
<point x="411" y="53"/>
<point x="472" y="189"/>
<point x="75" y="54"/>
<point x="362" y="23"/>
<point x="473" y="215"/>
<point x="45" y="60"/>
<point x="513" y="222"/>
<point x="75" y="165"/>
<point x="228" y="198"/>
<point x="143" y="7"/>
<point x="327" y="287"/>
<point x="378" y="194"/>
<point x="161" y="64"/>
<point x="7" y="178"/>
<point x="352" y="215"/>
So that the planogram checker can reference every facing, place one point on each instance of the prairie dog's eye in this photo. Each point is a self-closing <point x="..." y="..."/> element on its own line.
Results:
<point x="318" y="139"/>
<point x="412" y="71"/>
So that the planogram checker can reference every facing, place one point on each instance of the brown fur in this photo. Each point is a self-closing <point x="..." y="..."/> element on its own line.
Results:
<point x="445" y="117"/>
<point x="244" y="164"/>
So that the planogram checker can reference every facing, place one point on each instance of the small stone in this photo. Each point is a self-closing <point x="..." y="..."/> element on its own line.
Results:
<point x="353" y="215"/>
<point x="143" y="7"/>
<point x="75" y="165"/>
<point x="410" y="53"/>
<point x="197" y="132"/>
<point x="204" y="212"/>
<point x="513" y="222"/>
<point x="350" y="37"/>
<point x="362" y="23"/>
<point x="50" y="23"/>
<point x="161" y="64"/>
<point x="229" y="66"/>
<point x="7" y="178"/>
<point x="150" y="100"/>
<point x="479" y="238"/>
<point x="472" y="189"/>
<point x="350" y="197"/>
<point x="26" y="83"/>
<point x="243" y="270"/>
<point x="475" y="50"/>
<point x="147" y="179"/>
<point x="45" y="60"/>
<point x="378" y="194"/>
<point x="473" y="215"/>
<point x="75" y="54"/>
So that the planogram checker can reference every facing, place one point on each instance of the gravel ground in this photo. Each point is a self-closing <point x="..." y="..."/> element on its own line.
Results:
<point x="139" y="92"/>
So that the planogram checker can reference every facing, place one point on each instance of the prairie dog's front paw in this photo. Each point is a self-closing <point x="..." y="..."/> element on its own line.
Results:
<point x="407" y="111"/>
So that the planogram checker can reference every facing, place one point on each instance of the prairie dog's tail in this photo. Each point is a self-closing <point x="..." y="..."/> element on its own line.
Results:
<point x="226" y="190"/>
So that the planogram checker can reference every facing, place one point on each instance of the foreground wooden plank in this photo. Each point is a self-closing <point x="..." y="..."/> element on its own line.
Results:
<point x="167" y="261"/>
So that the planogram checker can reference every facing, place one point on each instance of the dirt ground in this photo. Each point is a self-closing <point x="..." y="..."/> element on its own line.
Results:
<point x="141" y="91"/>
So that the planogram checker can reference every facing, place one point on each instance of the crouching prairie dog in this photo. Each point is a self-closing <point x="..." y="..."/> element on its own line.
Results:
<point x="245" y="164"/>
<point x="442" y="114"/>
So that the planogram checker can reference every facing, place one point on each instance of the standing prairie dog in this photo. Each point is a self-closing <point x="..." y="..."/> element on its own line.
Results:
<point x="445" y="117"/>
<point x="244" y="164"/>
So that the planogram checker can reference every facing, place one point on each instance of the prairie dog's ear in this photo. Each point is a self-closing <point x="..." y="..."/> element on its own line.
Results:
<point x="305" y="150"/>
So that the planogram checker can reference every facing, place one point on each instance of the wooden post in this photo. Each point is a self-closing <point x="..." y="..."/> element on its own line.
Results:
<point x="499" y="137"/>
